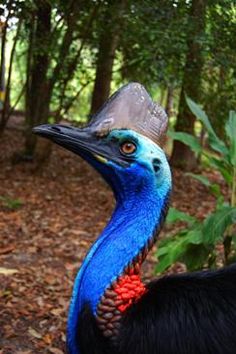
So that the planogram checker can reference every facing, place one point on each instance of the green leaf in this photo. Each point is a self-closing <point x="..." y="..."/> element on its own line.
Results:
<point x="222" y="168"/>
<point x="231" y="132"/>
<point x="195" y="256"/>
<point x="162" y="251"/>
<point x="187" y="139"/>
<point x="203" y="179"/>
<point x="164" y="263"/>
<point x="219" y="146"/>
<point x="220" y="202"/>
<point x="200" y="114"/>
<point x="172" y="252"/>
<point x="216" y="143"/>
<point x="196" y="253"/>
<point x="214" y="188"/>
<point x="194" y="236"/>
<point x="176" y="249"/>
<point x="216" y="224"/>
<point x="175" y="215"/>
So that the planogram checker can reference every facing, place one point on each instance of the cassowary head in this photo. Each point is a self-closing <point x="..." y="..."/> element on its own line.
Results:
<point x="122" y="141"/>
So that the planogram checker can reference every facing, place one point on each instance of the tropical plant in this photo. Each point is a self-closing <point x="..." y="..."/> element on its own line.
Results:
<point x="195" y="245"/>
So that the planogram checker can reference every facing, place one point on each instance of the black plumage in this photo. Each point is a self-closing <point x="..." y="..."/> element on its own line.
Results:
<point x="180" y="314"/>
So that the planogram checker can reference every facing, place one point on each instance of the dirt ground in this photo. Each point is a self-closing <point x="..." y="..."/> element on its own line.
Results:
<point x="45" y="236"/>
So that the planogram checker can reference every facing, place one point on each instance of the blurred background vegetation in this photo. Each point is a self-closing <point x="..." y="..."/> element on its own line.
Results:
<point x="60" y="60"/>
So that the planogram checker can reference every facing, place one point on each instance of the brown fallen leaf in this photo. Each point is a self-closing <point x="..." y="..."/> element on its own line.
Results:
<point x="57" y="312"/>
<point x="7" y="249"/>
<point x="6" y="271"/>
<point x="56" y="351"/>
<point x="47" y="339"/>
<point x="50" y="279"/>
<point x="34" y="333"/>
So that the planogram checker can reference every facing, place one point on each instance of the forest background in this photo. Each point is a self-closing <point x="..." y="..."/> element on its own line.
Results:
<point x="59" y="62"/>
<point x="64" y="58"/>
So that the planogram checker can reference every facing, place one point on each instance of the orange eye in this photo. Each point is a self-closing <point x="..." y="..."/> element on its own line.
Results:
<point x="127" y="148"/>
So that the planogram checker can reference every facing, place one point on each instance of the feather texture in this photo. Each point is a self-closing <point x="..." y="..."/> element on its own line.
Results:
<point x="131" y="107"/>
<point x="181" y="314"/>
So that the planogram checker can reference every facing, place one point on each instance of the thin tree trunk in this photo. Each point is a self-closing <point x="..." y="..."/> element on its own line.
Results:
<point x="107" y="49"/>
<point x="169" y="100"/>
<point x="106" y="54"/>
<point x="6" y="103"/>
<point x="2" y="63"/>
<point x="162" y="96"/>
<point x="2" y="66"/>
<point x="182" y="156"/>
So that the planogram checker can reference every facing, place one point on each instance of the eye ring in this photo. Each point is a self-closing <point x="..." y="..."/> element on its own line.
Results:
<point x="128" y="148"/>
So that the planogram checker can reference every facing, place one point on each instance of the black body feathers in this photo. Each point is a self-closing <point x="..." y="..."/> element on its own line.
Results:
<point x="182" y="314"/>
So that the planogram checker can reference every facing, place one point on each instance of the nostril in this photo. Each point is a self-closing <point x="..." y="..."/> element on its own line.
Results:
<point x="56" y="129"/>
<point x="68" y="127"/>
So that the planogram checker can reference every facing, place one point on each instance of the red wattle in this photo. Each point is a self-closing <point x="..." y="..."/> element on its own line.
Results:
<point x="129" y="289"/>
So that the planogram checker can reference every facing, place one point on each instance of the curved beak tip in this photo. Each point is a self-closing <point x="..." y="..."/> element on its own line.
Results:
<point x="39" y="129"/>
<point x="47" y="130"/>
<point x="35" y="130"/>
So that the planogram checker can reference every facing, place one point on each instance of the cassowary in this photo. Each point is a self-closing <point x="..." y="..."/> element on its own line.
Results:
<point x="111" y="310"/>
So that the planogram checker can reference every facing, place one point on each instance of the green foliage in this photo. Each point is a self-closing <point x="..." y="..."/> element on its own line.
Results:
<point x="152" y="46"/>
<point x="213" y="187"/>
<point x="157" y="53"/>
<point x="186" y="246"/>
<point x="187" y="139"/>
<point x="9" y="203"/>
<point x="219" y="78"/>
<point x="195" y="244"/>
<point x="231" y="132"/>
<point x="216" y="143"/>
<point x="216" y="224"/>
<point x="176" y="215"/>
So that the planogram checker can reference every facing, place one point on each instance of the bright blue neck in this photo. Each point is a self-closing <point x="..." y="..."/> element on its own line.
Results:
<point x="138" y="212"/>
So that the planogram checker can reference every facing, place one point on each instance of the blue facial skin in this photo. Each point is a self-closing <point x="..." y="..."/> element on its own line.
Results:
<point x="141" y="190"/>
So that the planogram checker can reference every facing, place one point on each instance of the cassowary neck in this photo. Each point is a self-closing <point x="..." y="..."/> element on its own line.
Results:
<point x="117" y="253"/>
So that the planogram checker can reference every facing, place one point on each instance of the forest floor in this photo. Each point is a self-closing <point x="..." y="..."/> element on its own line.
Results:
<point x="45" y="235"/>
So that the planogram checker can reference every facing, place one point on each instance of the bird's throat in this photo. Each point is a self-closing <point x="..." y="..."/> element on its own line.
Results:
<point x="109" y="280"/>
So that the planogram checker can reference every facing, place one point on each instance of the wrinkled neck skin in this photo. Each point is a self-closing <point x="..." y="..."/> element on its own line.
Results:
<point x="140" y="203"/>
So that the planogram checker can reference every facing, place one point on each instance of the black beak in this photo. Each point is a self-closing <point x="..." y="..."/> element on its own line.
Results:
<point x="83" y="142"/>
<point x="71" y="138"/>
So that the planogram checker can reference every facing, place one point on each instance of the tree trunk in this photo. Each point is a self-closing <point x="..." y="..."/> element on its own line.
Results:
<point x="169" y="101"/>
<point x="40" y="85"/>
<point x="6" y="102"/>
<point x="107" y="48"/>
<point x="37" y="93"/>
<point x="182" y="156"/>
<point x="3" y="35"/>
<point x="162" y="96"/>
<point x="109" y="40"/>
<point x="3" y="30"/>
